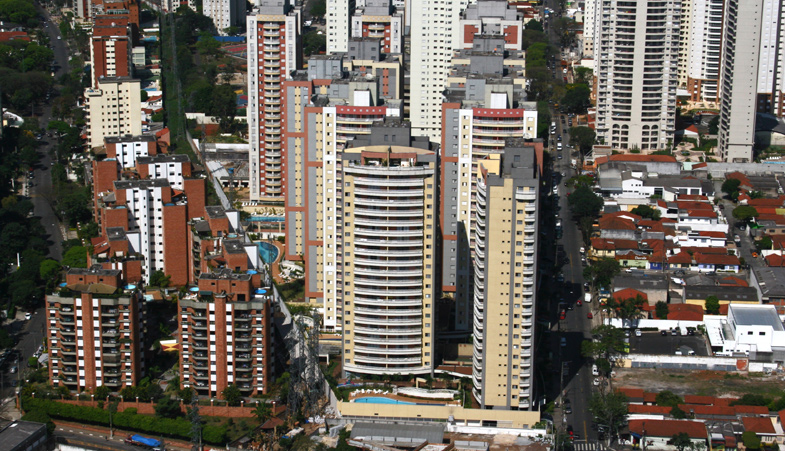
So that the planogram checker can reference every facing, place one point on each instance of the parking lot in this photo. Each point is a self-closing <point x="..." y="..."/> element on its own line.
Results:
<point x="651" y="342"/>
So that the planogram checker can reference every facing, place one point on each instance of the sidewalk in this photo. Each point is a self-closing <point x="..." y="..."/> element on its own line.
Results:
<point x="119" y="435"/>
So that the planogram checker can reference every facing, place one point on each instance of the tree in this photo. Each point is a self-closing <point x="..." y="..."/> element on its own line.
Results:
<point x="626" y="309"/>
<point x="319" y="8"/>
<point x="76" y="257"/>
<point x="764" y="243"/>
<point x="232" y="395"/>
<point x="584" y="203"/>
<point x="50" y="270"/>
<point x="609" y="411"/>
<point x="314" y="43"/>
<point x="582" y="138"/>
<point x="602" y="271"/>
<point x="576" y="99"/>
<point x="607" y="344"/>
<point x="731" y="188"/>
<point x="262" y="412"/>
<point x="750" y="440"/>
<point x="153" y="392"/>
<point x="661" y="309"/>
<point x="101" y="392"/>
<point x="186" y="394"/>
<point x="712" y="305"/>
<point x="40" y="416"/>
<point x="667" y="398"/>
<point x="533" y="25"/>
<point x="745" y="213"/>
<point x="680" y="441"/>
<point x="678" y="413"/>
<point x="166" y="407"/>
<point x="159" y="279"/>
<point x="583" y="75"/>
<point x="714" y="125"/>
<point x="646" y="211"/>
<point x="751" y="400"/>
<point x="144" y="95"/>
<point x="207" y="44"/>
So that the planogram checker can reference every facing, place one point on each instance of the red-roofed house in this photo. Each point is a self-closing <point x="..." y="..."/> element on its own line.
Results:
<point x="685" y="312"/>
<point x="657" y="433"/>
<point x="717" y="262"/>
<point x="733" y="281"/>
<point x="695" y="399"/>
<point x="629" y="293"/>
<point x="682" y="260"/>
<point x="763" y="427"/>
<point x="775" y="260"/>
<point x="606" y="247"/>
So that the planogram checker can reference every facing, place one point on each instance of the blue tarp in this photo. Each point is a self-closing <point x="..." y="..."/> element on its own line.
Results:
<point x="145" y="440"/>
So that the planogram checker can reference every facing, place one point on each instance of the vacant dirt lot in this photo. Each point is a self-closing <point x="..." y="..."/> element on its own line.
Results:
<point x="703" y="383"/>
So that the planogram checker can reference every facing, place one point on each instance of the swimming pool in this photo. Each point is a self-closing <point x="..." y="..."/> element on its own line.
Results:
<point x="266" y="218"/>
<point x="268" y="252"/>
<point x="382" y="400"/>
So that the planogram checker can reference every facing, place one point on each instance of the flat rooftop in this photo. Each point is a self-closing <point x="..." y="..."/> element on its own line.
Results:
<point x="756" y="315"/>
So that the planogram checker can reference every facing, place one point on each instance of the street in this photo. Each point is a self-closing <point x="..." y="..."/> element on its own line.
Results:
<point x="575" y="378"/>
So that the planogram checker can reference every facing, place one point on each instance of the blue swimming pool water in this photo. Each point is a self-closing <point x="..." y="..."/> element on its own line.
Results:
<point x="265" y="218"/>
<point x="268" y="252"/>
<point x="382" y="400"/>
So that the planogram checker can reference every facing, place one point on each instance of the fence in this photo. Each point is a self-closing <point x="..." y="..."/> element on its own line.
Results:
<point x="148" y="408"/>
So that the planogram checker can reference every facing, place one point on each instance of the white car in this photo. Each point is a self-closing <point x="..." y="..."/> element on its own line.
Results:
<point x="596" y="381"/>
<point x="28" y="316"/>
<point x="638" y="332"/>
<point x="595" y="371"/>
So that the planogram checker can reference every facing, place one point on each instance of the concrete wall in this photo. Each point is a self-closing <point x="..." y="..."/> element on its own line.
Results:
<point x="684" y="362"/>
<point x="519" y="419"/>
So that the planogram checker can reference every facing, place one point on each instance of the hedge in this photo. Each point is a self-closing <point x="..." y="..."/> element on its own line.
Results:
<point x="179" y="428"/>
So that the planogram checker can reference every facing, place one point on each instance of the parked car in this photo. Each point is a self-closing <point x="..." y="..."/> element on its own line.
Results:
<point x="563" y="341"/>
<point x="638" y="333"/>
<point x="590" y="315"/>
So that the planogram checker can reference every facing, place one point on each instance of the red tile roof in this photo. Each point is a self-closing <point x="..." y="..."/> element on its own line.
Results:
<point x="712" y="234"/>
<point x="13" y="35"/>
<point x="614" y="223"/>
<point x="753" y="410"/>
<point x="695" y="399"/>
<point x="701" y="213"/>
<point x="716" y="259"/>
<point x="758" y="425"/>
<point x="768" y="202"/>
<point x="781" y="413"/>
<point x="682" y="258"/>
<point x="685" y="312"/>
<point x="740" y="177"/>
<point x="709" y="410"/>
<point x="609" y="244"/>
<point x="634" y="392"/>
<point x="733" y="281"/>
<point x="695" y="197"/>
<point x="704" y="250"/>
<point x="778" y="219"/>
<point x="667" y="428"/>
<point x="648" y="410"/>
<point x="628" y="293"/>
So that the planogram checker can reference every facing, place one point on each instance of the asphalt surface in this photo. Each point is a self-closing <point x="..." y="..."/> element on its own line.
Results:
<point x="573" y="372"/>
<point x="656" y="344"/>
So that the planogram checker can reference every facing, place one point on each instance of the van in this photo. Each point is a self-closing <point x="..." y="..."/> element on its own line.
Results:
<point x="595" y="371"/>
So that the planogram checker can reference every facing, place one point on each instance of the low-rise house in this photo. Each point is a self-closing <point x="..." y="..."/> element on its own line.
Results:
<point x="764" y="428"/>
<point x="657" y="434"/>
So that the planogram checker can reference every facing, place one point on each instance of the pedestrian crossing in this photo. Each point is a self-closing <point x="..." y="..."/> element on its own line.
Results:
<point x="588" y="446"/>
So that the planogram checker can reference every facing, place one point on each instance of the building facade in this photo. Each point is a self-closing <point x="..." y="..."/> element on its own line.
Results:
<point x="771" y="63"/>
<point x="378" y="19"/>
<point x="434" y="28"/>
<point x="110" y="52"/>
<point x="113" y="109"/>
<point x="226" y="334"/>
<point x="274" y="51"/>
<point x="225" y="13"/>
<point x="485" y="104"/>
<point x="339" y="23"/>
<point x="740" y="56"/>
<point x="381" y="260"/>
<point x="95" y="331"/>
<point x="704" y="49"/>
<point x="505" y="280"/>
<point x="636" y="55"/>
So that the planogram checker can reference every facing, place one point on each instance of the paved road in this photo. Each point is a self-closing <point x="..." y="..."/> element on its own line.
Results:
<point x="576" y="383"/>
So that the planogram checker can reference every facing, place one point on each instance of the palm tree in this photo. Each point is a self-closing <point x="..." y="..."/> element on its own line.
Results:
<point x="262" y="412"/>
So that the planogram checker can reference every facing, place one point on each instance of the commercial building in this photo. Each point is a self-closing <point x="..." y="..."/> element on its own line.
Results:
<point x="226" y="334"/>
<point x="740" y="55"/>
<point x="225" y="13"/>
<point x="274" y="51"/>
<point x="636" y="55"/>
<point x="378" y="19"/>
<point x="95" y="331"/>
<point x="505" y="279"/>
<point x="485" y="104"/>
<point x="381" y="261"/>
<point x="337" y="104"/>
<point x="435" y="30"/>
<point x="491" y="17"/>
<point x="754" y="330"/>
<point x="113" y="109"/>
